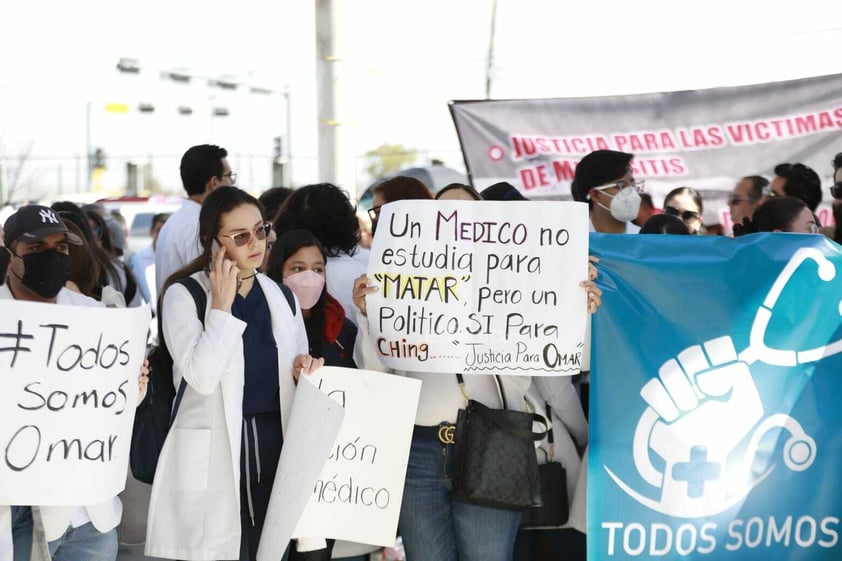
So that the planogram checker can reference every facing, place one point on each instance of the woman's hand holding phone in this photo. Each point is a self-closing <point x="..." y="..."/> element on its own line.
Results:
<point x="224" y="278"/>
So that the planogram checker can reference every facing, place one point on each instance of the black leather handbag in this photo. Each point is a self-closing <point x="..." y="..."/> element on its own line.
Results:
<point x="494" y="462"/>
<point x="555" y="509"/>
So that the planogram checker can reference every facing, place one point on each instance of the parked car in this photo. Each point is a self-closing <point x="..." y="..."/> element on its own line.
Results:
<point x="138" y="212"/>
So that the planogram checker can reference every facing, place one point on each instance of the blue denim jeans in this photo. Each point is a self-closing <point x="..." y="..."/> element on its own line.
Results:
<point x="434" y="528"/>
<point x="85" y="543"/>
<point x="21" y="532"/>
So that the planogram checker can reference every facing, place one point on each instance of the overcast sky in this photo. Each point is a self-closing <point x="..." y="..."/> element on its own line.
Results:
<point x="401" y="61"/>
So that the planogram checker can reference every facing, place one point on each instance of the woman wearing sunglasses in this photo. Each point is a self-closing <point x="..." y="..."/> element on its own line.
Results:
<point x="686" y="204"/>
<point x="217" y="466"/>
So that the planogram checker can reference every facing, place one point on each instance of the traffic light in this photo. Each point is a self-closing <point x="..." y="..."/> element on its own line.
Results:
<point x="277" y="148"/>
<point x="99" y="158"/>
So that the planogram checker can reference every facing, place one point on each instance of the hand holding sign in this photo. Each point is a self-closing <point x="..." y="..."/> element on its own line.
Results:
<point x="362" y="288"/>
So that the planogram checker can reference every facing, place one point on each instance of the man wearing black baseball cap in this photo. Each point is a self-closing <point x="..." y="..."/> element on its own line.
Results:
<point x="38" y="242"/>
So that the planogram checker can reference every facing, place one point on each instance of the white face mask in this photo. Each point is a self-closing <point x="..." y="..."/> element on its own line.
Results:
<point x="624" y="205"/>
<point x="307" y="286"/>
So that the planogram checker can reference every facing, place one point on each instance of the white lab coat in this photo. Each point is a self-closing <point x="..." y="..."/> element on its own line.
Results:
<point x="194" y="511"/>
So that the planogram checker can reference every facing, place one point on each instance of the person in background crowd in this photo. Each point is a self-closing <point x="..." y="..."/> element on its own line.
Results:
<point x="432" y="527"/>
<point x="299" y="261"/>
<point x="780" y="214"/>
<point x="664" y="224"/>
<point x="84" y="268"/>
<point x="217" y="467"/>
<point x="38" y="242"/>
<point x="398" y="188"/>
<point x="799" y="181"/>
<point x="203" y="169"/>
<point x="109" y="287"/>
<point x="647" y="210"/>
<point x="458" y="192"/>
<point x="833" y="232"/>
<point x="118" y="274"/>
<point x="142" y="263"/>
<point x="502" y="191"/>
<point x="686" y="204"/>
<point x="272" y="199"/>
<point x="115" y="224"/>
<point x="749" y="193"/>
<point x="326" y="210"/>
<point x="604" y="180"/>
<point x="119" y="230"/>
<point x="5" y="256"/>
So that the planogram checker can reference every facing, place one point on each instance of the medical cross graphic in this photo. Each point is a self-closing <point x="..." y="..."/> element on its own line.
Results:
<point x="696" y="471"/>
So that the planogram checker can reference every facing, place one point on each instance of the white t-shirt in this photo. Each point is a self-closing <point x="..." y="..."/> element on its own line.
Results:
<point x="341" y="272"/>
<point x="178" y="242"/>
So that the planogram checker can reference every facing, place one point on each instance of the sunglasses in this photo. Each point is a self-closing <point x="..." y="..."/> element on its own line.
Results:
<point x="685" y="215"/>
<point x="242" y="238"/>
<point x="836" y="191"/>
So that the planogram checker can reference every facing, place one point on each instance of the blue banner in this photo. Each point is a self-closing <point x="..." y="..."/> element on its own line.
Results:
<point x="716" y="370"/>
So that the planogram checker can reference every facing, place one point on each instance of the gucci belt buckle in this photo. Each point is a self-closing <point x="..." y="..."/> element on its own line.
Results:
<point x="445" y="433"/>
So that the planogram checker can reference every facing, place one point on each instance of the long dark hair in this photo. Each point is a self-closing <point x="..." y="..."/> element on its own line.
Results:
<point x="325" y="210"/>
<point x="106" y="269"/>
<point x="285" y="247"/>
<point x="222" y="200"/>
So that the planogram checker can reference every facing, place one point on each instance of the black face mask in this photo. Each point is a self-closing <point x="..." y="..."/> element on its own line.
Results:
<point x="45" y="272"/>
<point x="5" y="257"/>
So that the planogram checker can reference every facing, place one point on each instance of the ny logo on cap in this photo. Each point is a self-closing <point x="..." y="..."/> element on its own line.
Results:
<point x="48" y="214"/>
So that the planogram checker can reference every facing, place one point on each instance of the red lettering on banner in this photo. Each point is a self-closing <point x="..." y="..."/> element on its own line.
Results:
<point x="659" y="167"/>
<point x="525" y="147"/>
<point x="644" y="141"/>
<point x="564" y="170"/>
<point x="700" y="138"/>
<point x="532" y="177"/>
<point x="766" y="130"/>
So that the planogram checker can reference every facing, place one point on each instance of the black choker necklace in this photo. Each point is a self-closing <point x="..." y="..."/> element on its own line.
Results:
<point x="251" y="276"/>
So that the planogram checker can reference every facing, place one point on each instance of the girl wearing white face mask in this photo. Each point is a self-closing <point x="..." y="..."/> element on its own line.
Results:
<point x="298" y="260"/>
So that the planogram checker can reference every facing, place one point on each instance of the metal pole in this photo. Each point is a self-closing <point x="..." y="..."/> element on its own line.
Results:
<point x="288" y="164"/>
<point x="489" y="63"/>
<point x="88" y="148"/>
<point x="325" y="79"/>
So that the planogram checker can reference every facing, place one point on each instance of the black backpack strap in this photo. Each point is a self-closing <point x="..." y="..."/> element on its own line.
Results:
<point x="289" y="296"/>
<point x="200" y="297"/>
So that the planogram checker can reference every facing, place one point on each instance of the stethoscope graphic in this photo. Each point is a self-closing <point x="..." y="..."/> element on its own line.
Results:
<point x="799" y="450"/>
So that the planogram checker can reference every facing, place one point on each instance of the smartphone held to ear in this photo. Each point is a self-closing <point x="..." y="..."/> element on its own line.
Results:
<point x="215" y="247"/>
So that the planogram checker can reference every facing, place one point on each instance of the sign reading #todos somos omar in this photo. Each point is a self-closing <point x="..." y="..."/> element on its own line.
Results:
<point x="68" y="392"/>
<point x="467" y="286"/>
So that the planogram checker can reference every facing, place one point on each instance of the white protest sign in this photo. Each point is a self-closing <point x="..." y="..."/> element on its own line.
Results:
<point x="358" y="496"/>
<point x="466" y="286"/>
<point x="314" y="422"/>
<point x="68" y="392"/>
